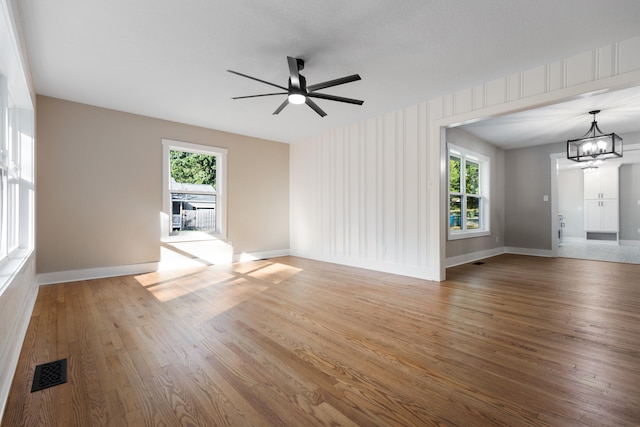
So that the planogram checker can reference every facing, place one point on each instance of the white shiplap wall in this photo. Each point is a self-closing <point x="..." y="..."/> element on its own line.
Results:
<point x="371" y="194"/>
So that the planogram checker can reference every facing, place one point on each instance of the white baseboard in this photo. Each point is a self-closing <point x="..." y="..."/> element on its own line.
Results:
<point x="125" y="270"/>
<point x="630" y="242"/>
<point x="94" y="273"/>
<point x="529" y="251"/>
<point x="252" y="256"/>
<point x="392" y="268"/>
<point x="473" y="256"/>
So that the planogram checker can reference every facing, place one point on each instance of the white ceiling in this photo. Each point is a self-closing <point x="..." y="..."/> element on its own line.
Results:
<point x="168" y="59"/>
<point x="619" y="113"/>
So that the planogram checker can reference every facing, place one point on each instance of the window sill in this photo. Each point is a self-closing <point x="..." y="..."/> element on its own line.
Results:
<point x="192" y="236"/>
<point x="468" y="234"/>
<point x="10" y="267"/>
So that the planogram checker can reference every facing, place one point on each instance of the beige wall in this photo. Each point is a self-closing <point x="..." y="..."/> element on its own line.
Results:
<point x="99" y="194"/>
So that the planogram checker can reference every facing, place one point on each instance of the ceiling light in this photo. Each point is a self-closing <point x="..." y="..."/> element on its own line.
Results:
<point x="594" y="145"/>
<point x="297" y="98"/>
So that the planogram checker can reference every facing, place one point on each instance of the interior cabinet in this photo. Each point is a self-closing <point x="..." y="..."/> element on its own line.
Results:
<point x="601" y="215"/>
<point x="601" y="204"/>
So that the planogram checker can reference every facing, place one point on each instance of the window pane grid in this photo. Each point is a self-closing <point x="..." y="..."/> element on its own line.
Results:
<point x="466" y="202"/>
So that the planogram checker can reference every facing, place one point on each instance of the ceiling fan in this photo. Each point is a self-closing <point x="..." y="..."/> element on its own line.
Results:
<point x="299" y="93"/>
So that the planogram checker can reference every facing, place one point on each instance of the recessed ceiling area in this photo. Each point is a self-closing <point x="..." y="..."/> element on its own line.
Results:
<point x="168" y="59"/>
<point x="619" y="113"/>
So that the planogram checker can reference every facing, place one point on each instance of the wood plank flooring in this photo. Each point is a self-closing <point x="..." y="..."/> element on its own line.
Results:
<point x="516" y="341"/>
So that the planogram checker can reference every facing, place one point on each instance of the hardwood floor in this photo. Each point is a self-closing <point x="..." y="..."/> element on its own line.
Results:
<point x="516" y="341"/>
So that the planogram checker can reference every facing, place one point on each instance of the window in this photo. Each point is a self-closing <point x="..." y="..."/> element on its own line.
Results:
<point x="194" y="190"/>
<point x="16" y="158"/>
<point x="468" y="193"/>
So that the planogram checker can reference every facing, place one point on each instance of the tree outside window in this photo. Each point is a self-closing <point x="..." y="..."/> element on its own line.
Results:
<point x="468" y="191"/>
<point x="194" y="190"/>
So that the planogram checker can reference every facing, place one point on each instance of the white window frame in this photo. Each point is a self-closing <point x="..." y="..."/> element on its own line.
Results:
<point x="484" y="228"/>
<point x="17" y="152"/>
<point x="169" y="145"/>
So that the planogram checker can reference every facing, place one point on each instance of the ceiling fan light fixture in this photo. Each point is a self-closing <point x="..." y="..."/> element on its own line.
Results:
<point x="297" y="98"/>
<point x="594" y="145"/>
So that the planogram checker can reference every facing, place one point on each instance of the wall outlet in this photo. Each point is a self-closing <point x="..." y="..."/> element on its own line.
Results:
<point x="545" y="198"/>
<point x="638" y="230"/>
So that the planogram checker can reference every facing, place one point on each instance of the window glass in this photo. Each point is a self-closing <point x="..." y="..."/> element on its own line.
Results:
<point x="193" y="168"/>
<point x="468" y="193"/>
<point x="473" y="213"/>
<point x="455" y="209"/>
<point x="472" y="177"/>
<point x="454" y="174"/>
<point x="194" y="190"/>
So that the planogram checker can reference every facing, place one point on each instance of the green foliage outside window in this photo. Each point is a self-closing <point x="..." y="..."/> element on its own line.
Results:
<point x="193" y="168"/>
<point x="472" y="177"/>
<point x="465" y="200"/>
<point x="454" y="174"/>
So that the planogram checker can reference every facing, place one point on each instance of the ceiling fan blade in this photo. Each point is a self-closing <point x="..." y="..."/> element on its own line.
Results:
<point x="281" y="107"/>
<point x="334" y="98"/>
<point x="294" y="72"/>
<point x="255" y="96"/>
<point x="315" y="107"/>
<point x="258" y="80"/>
<point x="335" y="82"/>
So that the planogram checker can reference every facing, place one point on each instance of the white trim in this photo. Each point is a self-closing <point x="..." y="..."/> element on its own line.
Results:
<point x="221" y="186"/>
<point x="95" y="273"/>
<point x="252" y="256"/>
<point x="529" y="251"/>
<point x="384" y="267"/>
<point x="484" y="192"/>
<point x="474" y="256"/>
<point x="133" y="269"/>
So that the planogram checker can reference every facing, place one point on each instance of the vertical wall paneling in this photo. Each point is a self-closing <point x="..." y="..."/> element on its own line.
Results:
<point x="362" y="193"/>
<point x="514" y="87"/>
<point x="627" y="57"/>
<point x="557" y="79"/>
<point x="411" y="185"/>
<point x="382" y="206"/>
<point x="423" y="155"/>
<point x="380" y="180"/>
<point x="580" y="68"/>
<point x="534" y="81"/>
<point x="371" y="190"/>
<point x="495" y="92"/>
<point x="390" y="231"/>
<point x="463" y="101"/>
<point x="605" y="61"/>
<point x="479" y="96"/>
<point x="400" y="186"/>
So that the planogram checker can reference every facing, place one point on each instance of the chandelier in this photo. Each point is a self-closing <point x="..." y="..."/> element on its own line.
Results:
<point x="594" y="145"/>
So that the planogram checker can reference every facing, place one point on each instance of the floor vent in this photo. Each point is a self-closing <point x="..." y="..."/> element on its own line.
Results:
<point x="478" y="263"/>
<point x="49" y="374"/>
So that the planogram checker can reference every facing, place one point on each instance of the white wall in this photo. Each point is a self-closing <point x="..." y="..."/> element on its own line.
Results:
<point x="372" y="194"/>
